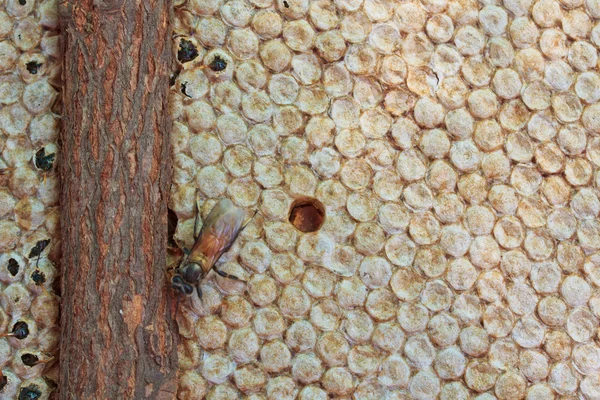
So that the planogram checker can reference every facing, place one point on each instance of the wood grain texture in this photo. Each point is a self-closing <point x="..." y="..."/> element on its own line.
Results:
<point x="119" y="338"/>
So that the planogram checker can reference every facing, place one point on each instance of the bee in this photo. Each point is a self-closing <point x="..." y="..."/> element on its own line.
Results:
<point x="44" y="161"/>
<point x="222" y="226"/>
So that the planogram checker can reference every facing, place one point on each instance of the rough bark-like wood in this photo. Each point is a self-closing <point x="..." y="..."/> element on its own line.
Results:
<point x="119" y="338"/>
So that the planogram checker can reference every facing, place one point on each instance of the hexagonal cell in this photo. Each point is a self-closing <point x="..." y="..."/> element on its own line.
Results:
<point x="307" y="214"/>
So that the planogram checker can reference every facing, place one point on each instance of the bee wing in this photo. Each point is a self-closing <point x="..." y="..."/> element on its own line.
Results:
<point x="218" y="232"/>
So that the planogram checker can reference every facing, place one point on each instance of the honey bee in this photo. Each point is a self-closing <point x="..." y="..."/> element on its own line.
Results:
<point x="222" y="226"/>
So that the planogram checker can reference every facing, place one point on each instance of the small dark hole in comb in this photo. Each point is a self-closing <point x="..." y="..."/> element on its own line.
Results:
<point x="30" y="393"/>
<point x="29" y="359"/>
<point x="38" y="248"/>
<point x="13" y="267"/>
<point x="20" y="330"/>
<point x="33" y="67"/>
<point x="307" y="214"/>
<point x="187" y="51"/>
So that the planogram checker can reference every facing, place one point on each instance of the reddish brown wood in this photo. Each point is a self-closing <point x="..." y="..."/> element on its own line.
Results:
<point x="119" y="339"/>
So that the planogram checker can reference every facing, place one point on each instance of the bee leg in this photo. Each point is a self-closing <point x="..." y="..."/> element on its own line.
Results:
<point x="226" y="275"/>
<point x="199" y="291"/>
<point x="197" y="219"/>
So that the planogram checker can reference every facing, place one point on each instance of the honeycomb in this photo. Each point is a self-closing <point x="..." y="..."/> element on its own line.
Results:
<point x="455" y="148"/>
<point x="453" y="145"/>
<point x="30" y="72"/>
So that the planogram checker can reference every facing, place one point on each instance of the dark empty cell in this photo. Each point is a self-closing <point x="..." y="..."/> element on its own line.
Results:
<point x="20" y="330"/>
<point x="30" y="359"/>
<point x="30" y="393"/>
<point x="285" y="4"/>
<point x="307" y="215"/>
<point x="187" y="51"/>
<point x="38" y="277"/>
<point x="50" y="383"/>
<point x="38" y="248"/>
<point x="13" y="267"/>
<point x="44" y="161"/>
<point x="173" y="78"/>
<point x="33" y="67"/>
<point x="22" y="2"/>
<point x="183" y="87"/>
<point x="3" y="381"/>
<point x="218" y="64"/>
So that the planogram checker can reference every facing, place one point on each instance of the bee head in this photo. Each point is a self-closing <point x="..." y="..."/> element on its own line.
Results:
<point x="187" y="276"/>
<point x="178" y="284"/>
